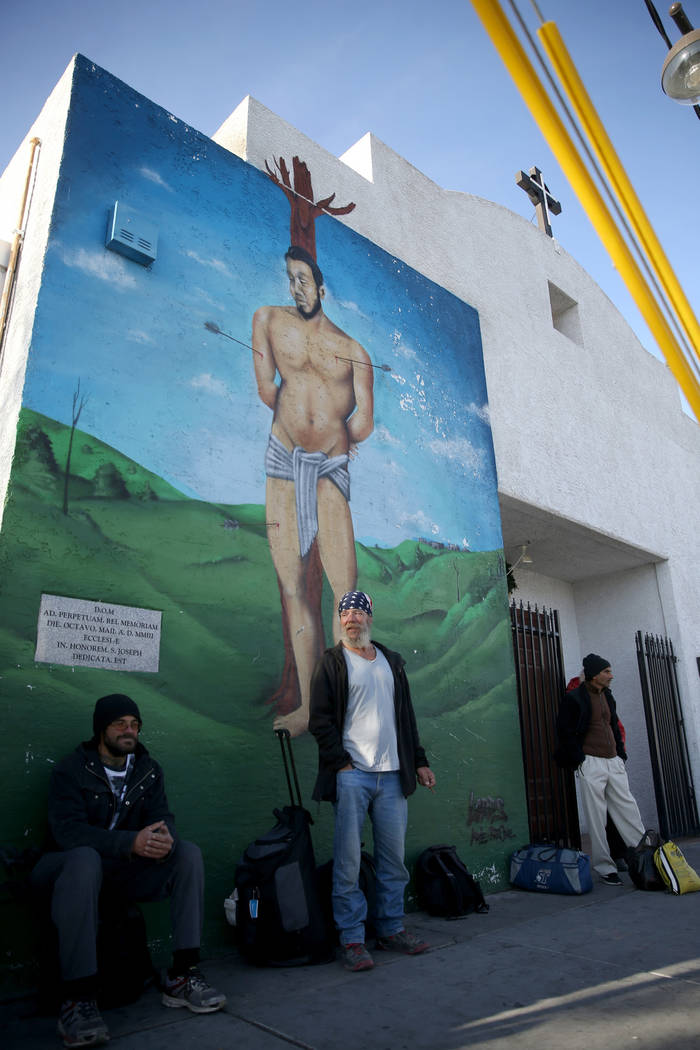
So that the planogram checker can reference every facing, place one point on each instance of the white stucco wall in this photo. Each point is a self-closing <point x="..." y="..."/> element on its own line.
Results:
<point x="589" y="430"/>
<point x="611" y="609"/>
<point x="49" y="128"/>
<point x="548" y="593"/>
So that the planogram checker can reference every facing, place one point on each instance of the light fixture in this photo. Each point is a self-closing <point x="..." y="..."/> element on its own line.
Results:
<point x="524" y="558"/>
<point x="680" y="76"/>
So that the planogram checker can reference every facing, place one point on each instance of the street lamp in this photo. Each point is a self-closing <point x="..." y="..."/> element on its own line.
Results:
<point x="680" y="76"/>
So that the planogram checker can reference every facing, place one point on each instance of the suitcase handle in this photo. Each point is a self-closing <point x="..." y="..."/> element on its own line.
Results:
<point x="285" y="735"/>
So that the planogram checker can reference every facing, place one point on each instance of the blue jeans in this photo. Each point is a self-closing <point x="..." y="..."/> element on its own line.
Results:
<point x="380" y="796"/>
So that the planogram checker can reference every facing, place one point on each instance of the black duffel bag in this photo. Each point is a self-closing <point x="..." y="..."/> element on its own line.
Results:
<point x="640" y="862"/>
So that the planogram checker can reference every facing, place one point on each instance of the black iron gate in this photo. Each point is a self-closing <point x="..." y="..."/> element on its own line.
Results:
<point x="668" y="747"/>
<point x="551" y="794"/>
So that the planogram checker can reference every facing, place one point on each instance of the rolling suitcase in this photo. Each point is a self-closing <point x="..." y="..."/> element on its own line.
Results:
<point x="279" y="918"/>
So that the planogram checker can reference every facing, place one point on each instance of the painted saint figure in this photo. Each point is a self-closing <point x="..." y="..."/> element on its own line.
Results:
<point x="322" y="409"/>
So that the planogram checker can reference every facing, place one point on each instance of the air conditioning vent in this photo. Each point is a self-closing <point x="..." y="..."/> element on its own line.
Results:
<point x="131" y="235"/>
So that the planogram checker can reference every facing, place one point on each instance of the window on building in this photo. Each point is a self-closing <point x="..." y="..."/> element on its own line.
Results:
<point x="565" y="315"/>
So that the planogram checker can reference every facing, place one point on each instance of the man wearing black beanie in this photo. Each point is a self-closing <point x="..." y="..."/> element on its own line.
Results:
<point x="591" y="743"/>
<point x="111" y="829"/>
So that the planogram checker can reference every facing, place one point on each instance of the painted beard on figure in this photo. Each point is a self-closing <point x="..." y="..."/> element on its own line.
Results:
<point x="308" y="314"/>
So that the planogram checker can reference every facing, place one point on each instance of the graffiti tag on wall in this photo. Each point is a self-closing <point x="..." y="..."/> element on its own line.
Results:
<point x="488" y="819"/>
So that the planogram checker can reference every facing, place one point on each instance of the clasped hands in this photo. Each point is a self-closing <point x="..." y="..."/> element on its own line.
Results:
<point x="153" y="842"/>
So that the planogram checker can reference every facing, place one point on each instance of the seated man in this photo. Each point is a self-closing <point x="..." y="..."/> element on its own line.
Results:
<point x="111" y="829"/>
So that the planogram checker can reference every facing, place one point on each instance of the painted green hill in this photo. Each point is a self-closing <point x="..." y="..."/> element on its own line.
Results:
<point x="96" y="469"/>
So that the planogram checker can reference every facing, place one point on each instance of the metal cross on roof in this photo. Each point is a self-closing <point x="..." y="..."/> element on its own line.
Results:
<point x="538" y="192"/>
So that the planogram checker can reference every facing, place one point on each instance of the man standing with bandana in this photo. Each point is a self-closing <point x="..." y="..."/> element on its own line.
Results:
<point x="370" y="758"/>
<point x="112" y="832"/>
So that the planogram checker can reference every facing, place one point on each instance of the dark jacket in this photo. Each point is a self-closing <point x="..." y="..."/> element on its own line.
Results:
<point x="81" y="803"/>
<point x="329" y="701"/>
<point x="572" y="725"/>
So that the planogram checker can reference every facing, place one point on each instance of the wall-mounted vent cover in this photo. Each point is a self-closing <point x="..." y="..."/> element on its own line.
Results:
<point x="131" y="235"/>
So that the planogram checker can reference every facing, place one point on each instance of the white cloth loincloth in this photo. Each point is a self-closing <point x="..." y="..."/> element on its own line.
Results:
<point x="305" y="469"/>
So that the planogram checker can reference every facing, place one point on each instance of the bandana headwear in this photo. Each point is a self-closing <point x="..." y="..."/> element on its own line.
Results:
<point x="355" y="600"/>
<point x="593" y="665"/>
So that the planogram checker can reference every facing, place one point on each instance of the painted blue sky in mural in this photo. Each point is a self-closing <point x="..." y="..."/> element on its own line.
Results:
<point x="142" y="352"/>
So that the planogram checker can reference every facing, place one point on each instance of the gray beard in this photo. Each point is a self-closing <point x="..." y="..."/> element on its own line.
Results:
<point x="362" y="640"/>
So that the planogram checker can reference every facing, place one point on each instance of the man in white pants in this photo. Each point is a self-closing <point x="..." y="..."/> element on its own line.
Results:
<point x="591" y="743"/>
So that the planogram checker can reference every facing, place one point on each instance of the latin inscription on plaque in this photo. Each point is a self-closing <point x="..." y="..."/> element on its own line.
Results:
<point x="75" y="632"/>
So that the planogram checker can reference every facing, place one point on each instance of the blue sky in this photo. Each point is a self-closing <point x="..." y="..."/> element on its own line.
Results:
<point x="423" y="77"/>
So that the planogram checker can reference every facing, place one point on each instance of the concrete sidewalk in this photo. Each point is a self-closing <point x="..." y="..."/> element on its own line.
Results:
<point x="616" y="968"/>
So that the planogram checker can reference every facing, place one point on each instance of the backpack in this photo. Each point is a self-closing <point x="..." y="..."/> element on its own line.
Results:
<point x="367" y="883"/>
<point x="277" y="911"/>
<point x="279" y="919"/>
<point x="444" y="885"/>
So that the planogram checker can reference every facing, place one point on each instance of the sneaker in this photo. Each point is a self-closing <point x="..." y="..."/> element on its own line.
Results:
<point x="191" y="990"/>
<point x="355" y="957"/>
<point x="404" y="942"/>
<point x="613" y="879"/>
<point x="80" y="1024"/>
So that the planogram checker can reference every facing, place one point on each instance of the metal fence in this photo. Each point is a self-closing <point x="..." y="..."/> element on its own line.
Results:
<point x="551" y="794"/>
<point x="668" y="746"/>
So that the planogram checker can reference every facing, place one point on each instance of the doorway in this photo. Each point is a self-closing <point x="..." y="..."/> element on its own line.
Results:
<point x="539" y="668"/>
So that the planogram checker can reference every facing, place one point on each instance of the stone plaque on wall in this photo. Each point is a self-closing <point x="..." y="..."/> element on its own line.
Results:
<point x="82" y="633"/>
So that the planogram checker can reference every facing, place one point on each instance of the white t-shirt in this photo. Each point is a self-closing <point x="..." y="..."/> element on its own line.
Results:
<point x="117" y="781"/>
<point x="369" y="733"/>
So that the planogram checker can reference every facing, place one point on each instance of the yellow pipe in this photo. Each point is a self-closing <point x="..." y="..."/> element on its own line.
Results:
<point x="585" y="110"/>
<point x="520" y="68"/>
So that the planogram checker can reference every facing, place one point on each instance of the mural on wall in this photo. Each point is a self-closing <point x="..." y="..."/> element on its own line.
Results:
<point x="170" y="459"/>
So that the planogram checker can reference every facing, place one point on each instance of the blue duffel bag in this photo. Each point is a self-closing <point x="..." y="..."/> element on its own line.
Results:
<point x="551" y="870"/>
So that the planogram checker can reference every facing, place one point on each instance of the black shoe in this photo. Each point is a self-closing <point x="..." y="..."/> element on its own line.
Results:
<point x="613" y="879"/>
